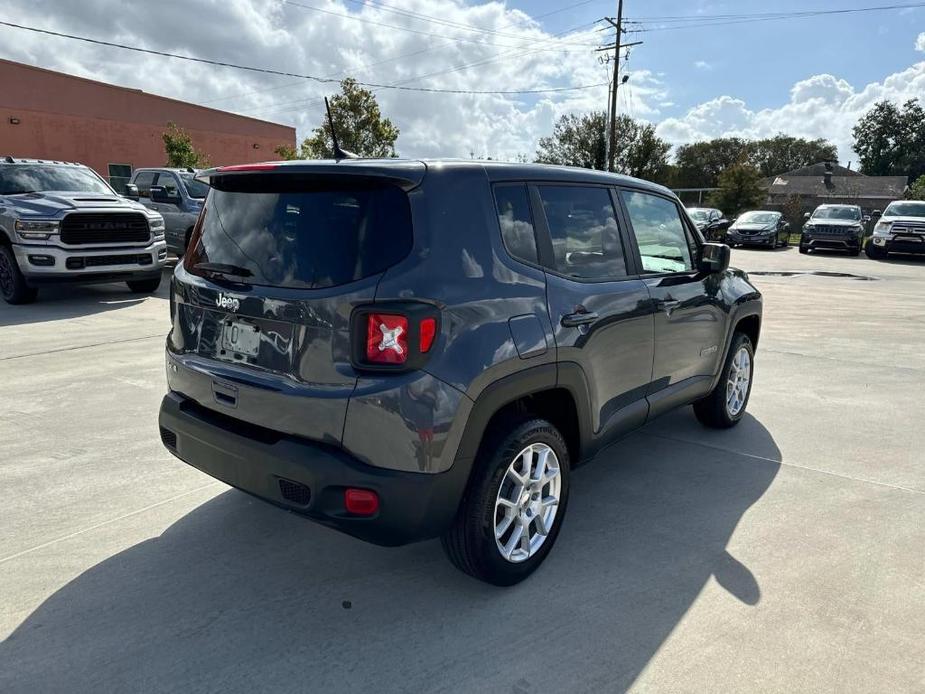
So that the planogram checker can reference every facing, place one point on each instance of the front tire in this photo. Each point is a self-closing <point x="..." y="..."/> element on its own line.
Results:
<point x="13" y="285"/>
<point x="803" y="249"/>
<point x="144" y="286"/>
<point x="510" y="516"/>
<point x="725" y="406"/>
<point x="873" y="252"/>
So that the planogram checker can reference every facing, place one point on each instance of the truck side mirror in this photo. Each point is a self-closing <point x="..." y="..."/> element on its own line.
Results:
<point x="806" y="215"/>
<point x="714" y="257"/>
<point x="131" y="191"/>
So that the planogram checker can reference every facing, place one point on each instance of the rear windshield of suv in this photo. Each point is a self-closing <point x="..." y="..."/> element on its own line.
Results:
<point x="284" y="231"/>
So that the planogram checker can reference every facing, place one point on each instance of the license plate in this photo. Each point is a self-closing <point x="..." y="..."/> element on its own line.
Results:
<point x="241" y="338"/>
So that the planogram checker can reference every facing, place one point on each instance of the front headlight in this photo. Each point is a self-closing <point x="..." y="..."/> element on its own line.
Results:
<point x="37" y="229"/>
<point x="156" y="224"/>
<point x="883" y="228"/>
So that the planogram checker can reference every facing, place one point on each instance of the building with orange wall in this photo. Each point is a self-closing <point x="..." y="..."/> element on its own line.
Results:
<point x="51" y="115"/>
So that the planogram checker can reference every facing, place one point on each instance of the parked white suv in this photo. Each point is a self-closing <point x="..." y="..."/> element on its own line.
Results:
<point x="901" y="229"/>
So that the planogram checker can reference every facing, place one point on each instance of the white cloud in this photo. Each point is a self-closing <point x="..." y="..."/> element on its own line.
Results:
<point x="702" y="65"/>
<point x="820" y="106"/>
<point x="920" y="42"/>
<point x="283" y="36"/>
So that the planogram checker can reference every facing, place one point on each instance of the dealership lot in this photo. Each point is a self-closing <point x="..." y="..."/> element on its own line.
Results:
<point x="784" y="555"/>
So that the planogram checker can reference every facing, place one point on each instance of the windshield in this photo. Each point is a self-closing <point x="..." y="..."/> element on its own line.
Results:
<point x="21" y="178"/>
<point x="194" y="188"/>
<point x="905" y="209"/>
<point x="698" y="215"/>
<point x="852" y="213"/>
<point x="283" y="231"/>
<point x="758" y="218"/>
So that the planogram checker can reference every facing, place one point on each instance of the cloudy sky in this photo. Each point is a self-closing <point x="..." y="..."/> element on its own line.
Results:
<point x="701" y="72"/>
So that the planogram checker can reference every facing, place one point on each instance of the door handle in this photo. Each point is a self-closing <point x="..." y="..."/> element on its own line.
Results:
<point x="669" y="306"/>
<point x="573" y="320"/>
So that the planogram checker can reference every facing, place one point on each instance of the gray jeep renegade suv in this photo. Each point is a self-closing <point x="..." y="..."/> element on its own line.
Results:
<point x="404" y="350"/>
<point x="60" y="222"/>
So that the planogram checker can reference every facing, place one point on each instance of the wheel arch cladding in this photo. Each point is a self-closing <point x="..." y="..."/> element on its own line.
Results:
<point x="751" y="326"/>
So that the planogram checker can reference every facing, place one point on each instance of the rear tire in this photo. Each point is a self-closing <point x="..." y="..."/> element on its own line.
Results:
<point x="725" y="406"/>
<point x="519" y="488"/>
<point x="804" y="250"/>
<point x="13" y="285"/>
<point x="144" y="286"/>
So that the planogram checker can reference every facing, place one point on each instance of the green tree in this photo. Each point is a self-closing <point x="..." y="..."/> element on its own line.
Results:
<point x="181" y="154"/>
<point x="576" y="140"/>
<point x="890" y="141"/>
<point x="782" y="153"/>
<point x="286" y="152"/>
<point x="917" y="189"/>
<point x="699" y="164"/>
<point x="361" y="129"/>
<point x="580" y="140"/>
<point x="740" y="189"/>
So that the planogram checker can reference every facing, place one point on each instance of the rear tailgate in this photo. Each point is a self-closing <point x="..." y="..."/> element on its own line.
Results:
<point x="261" y="324"/>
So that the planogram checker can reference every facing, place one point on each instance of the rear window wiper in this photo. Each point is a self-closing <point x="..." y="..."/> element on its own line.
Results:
<point x="224" y="269"/>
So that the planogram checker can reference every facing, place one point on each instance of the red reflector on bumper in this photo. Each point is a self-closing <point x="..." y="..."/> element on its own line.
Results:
<point x="361" y="502"/>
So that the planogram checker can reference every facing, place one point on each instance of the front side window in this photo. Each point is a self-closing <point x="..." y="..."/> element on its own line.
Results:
<point x="516" y="222"/>
<point x="286" y="231"/>
<point x="660" y="234"/>
<point x="144" y="180"/>
<point x="168" y="182"/>
<point x="585" y="237"/>
<point x="37" y="178"/>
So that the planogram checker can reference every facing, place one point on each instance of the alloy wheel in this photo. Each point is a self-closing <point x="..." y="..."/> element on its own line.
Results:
<point x="737" y="382"/>
<point x="527" y="502"/>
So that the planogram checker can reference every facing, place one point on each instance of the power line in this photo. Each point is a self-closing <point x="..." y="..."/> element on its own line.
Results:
<point x="406" y="55"/>
<point x="384" y="7"/>
<point x="269" y="71"/>
<point x="397" y="27"/>
<point x="674" y="22"/>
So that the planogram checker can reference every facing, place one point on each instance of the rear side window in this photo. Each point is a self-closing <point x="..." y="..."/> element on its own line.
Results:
<point x="516" y="221"/>
<point x="282" y="231"/>
<point x="663" y="243"/>
<point x="585" y="237"/>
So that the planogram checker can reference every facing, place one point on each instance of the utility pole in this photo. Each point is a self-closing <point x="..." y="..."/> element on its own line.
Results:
<point x="617" y="46"/>
<point x="612" y="139"/>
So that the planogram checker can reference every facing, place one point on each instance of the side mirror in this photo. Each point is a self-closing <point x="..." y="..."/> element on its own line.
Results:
<point x="161" y="194"/>
<point x="877" y="213"/>
<point x="866" y="218"/>
<point x="806" y="215"/>
<point x="131" y="191"/>
<point x="786" y="226"/>
<point x="714" y="257"/>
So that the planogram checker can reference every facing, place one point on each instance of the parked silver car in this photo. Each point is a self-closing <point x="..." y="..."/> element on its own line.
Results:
<point x="176" y="195"/>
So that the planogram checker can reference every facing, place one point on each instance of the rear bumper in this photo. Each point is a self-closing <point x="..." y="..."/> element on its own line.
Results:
<point x="412" y="506"/>
<point x="45" y="264"/>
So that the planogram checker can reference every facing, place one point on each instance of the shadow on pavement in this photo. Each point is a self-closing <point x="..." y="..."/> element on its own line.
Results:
<point x="239" y="596"/>
<point x="67" y="301"/>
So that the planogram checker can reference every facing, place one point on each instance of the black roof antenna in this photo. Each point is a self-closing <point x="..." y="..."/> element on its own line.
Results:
<point x="338" y="152"/>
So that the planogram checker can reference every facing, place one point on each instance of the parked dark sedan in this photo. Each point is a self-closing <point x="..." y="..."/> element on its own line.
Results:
<point x="710" y="222"/>
<point x="759" y="228"/>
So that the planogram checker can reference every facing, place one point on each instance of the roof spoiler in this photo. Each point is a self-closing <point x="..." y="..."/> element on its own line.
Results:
<point x="406" y="174"/>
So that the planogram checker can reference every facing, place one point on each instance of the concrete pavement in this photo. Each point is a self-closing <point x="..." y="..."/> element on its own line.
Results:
<point x="785" y="555"/>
